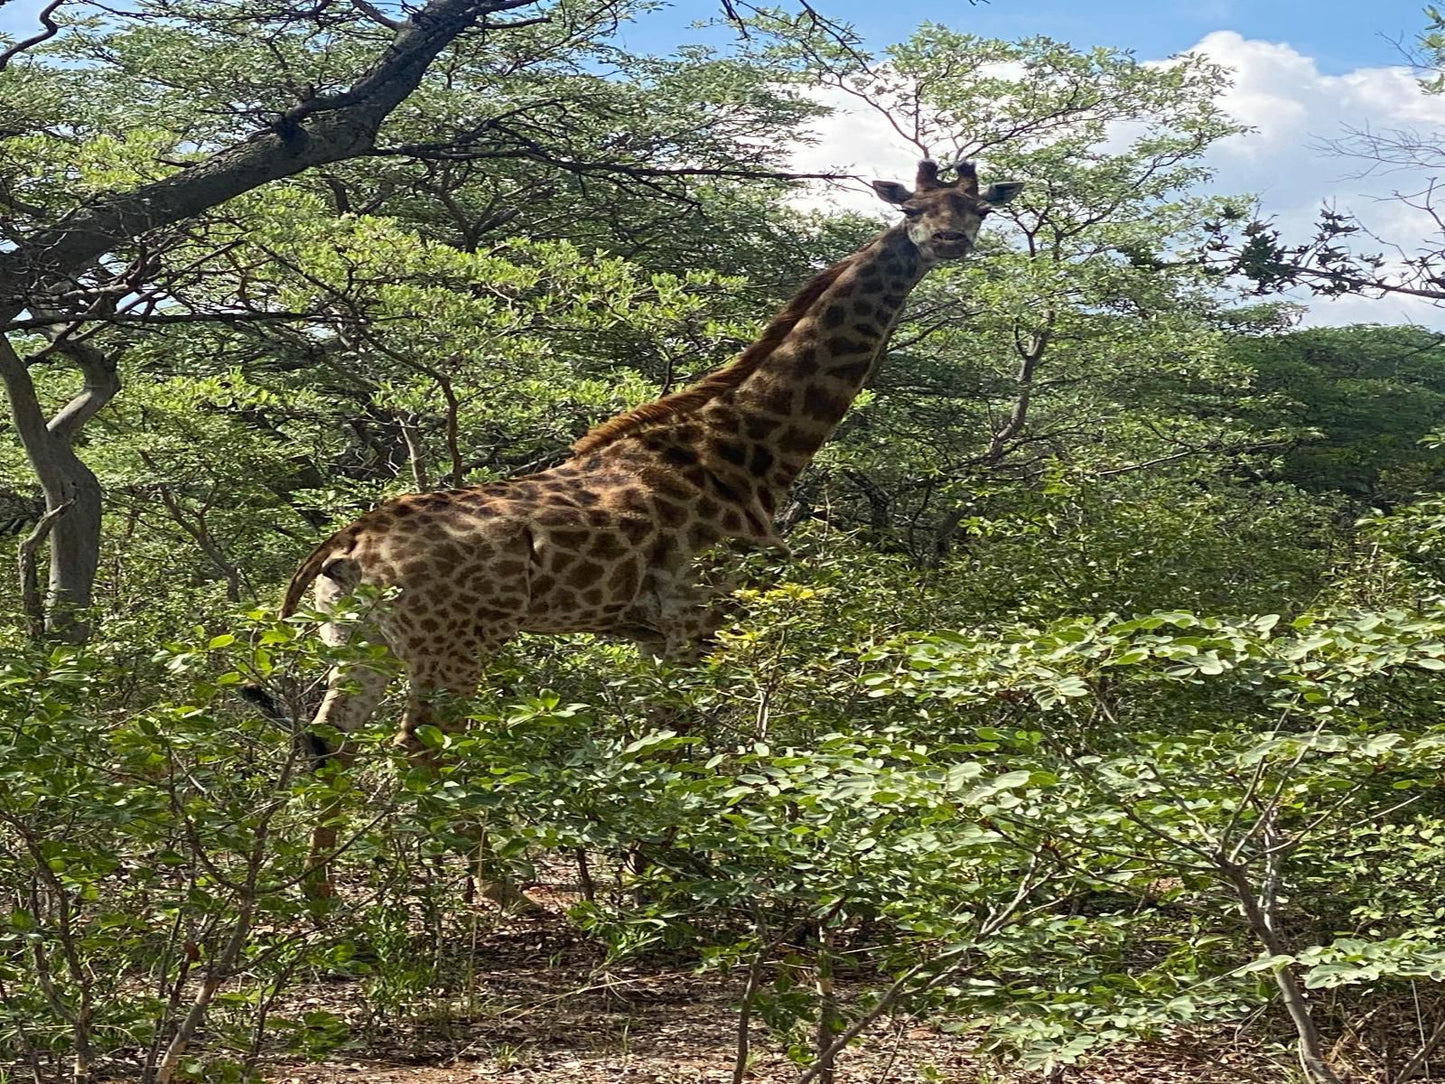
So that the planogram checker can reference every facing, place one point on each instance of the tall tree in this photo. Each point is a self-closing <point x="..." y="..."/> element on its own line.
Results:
<point x="52" y="276"/>
<point x="1081" y="344"/>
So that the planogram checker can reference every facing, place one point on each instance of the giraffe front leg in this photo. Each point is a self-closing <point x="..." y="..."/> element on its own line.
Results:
<point x="441" y="685"/>
<point x="684" y="630"/>
<point x="692" y="629"/>
<point x="679" y="622"/>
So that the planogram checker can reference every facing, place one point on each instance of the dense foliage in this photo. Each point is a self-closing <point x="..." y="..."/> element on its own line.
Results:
<point x="1099" y="701"/>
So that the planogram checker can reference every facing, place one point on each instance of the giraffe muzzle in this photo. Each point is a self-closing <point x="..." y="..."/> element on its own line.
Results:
<point x="949" y="244"/>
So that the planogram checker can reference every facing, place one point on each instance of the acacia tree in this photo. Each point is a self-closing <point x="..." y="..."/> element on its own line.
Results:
<point x="81" y="263"/>
<point x="1080" y="343"/>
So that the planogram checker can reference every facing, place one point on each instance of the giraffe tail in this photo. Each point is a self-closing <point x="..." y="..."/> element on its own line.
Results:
<point x="311" y="745"/>
<point x="260" y="698"/>
<point x="313" y="566"/>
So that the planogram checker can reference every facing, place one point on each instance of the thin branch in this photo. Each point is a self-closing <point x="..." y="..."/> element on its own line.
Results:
<point x="516" y="25"/>
<point x="372" y="12"/>
<point x="415" y="450"/>
<point x="51" y="29"/>
<point x="947" y="963"/>
<point x="1414" y="1065"/>
<point x="745" y="1013"/>
<point x="168" y="318"/>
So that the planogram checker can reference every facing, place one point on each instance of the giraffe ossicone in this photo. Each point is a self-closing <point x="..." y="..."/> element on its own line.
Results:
<point x="606" y="542"/>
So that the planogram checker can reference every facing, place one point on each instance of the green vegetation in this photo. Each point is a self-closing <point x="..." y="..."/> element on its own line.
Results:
<point x="1100" y="701"/>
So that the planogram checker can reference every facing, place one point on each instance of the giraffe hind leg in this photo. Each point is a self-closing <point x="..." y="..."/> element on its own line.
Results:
<point x="353" y="691"/>
<point x="354" y="688"/>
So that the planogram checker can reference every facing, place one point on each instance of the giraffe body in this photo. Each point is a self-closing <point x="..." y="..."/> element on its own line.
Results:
<point x="606" y="542"/>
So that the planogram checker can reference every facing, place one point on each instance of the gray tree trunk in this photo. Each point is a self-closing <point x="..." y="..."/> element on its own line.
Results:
<point x="72" y="492"/>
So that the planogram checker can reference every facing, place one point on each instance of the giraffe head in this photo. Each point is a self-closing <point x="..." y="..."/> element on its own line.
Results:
<point x="942" y="218"/>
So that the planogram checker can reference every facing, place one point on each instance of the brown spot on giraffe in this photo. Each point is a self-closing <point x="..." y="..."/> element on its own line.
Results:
<point x="806" y="365"/>
<point x="854" y="373"/>
<point x="840" y="346"/>
<point x="761" y="428"/>
<point x="636" y="530"/>
<point x="824" y="404"/>
<point x="671" y="513"/>
<point x="730" y="451"/>
<point x="777" y="398"/>
<point x="761" y="462"/>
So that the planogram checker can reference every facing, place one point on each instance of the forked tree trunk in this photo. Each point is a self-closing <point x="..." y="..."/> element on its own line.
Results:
<point x="72" y="491"/>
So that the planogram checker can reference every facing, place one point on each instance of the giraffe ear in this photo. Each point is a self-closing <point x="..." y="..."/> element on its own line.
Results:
<point x="892" y="191"/>
<point x="1000" y="192"/>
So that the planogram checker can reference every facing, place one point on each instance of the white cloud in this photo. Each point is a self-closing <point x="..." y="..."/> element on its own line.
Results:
<point x="1293" y="108"/>
<point x="857" y="141"/>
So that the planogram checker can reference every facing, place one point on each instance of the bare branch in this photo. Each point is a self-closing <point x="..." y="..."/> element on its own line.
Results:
<point x="101" y="384"/>
<point x="372" y="12"/>
<point x="52" y="28"/>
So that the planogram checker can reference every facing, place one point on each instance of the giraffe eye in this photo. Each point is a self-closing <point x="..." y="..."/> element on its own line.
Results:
<point x="912" y="212"/>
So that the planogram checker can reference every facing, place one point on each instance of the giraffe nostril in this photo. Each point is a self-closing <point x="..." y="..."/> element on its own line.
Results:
<point x="949" y="235"/>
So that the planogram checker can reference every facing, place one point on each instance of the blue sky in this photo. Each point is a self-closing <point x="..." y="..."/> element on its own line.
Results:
<point x="1339" y="35"/>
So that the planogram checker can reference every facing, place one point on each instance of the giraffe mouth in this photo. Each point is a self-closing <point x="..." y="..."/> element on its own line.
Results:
<point x="949" y="248"/>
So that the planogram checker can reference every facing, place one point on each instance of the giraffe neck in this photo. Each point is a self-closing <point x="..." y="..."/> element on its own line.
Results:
<point x="791" y="403"/>
<point x="722" y="464"/>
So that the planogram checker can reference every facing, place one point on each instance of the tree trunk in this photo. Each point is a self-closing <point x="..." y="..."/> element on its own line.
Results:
<point x="72" y="492"/>
<point x="74" y="546"/>
<point x="1259" y="905"/>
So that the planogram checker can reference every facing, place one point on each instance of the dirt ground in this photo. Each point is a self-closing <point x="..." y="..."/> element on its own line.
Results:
<point x="541" y="1011"/>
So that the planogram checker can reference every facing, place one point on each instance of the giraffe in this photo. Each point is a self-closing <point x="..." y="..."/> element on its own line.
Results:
<point x="606" y="542"/>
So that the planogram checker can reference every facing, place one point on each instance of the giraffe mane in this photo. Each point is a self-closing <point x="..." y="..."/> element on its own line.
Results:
<point x="720" y="380"/>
